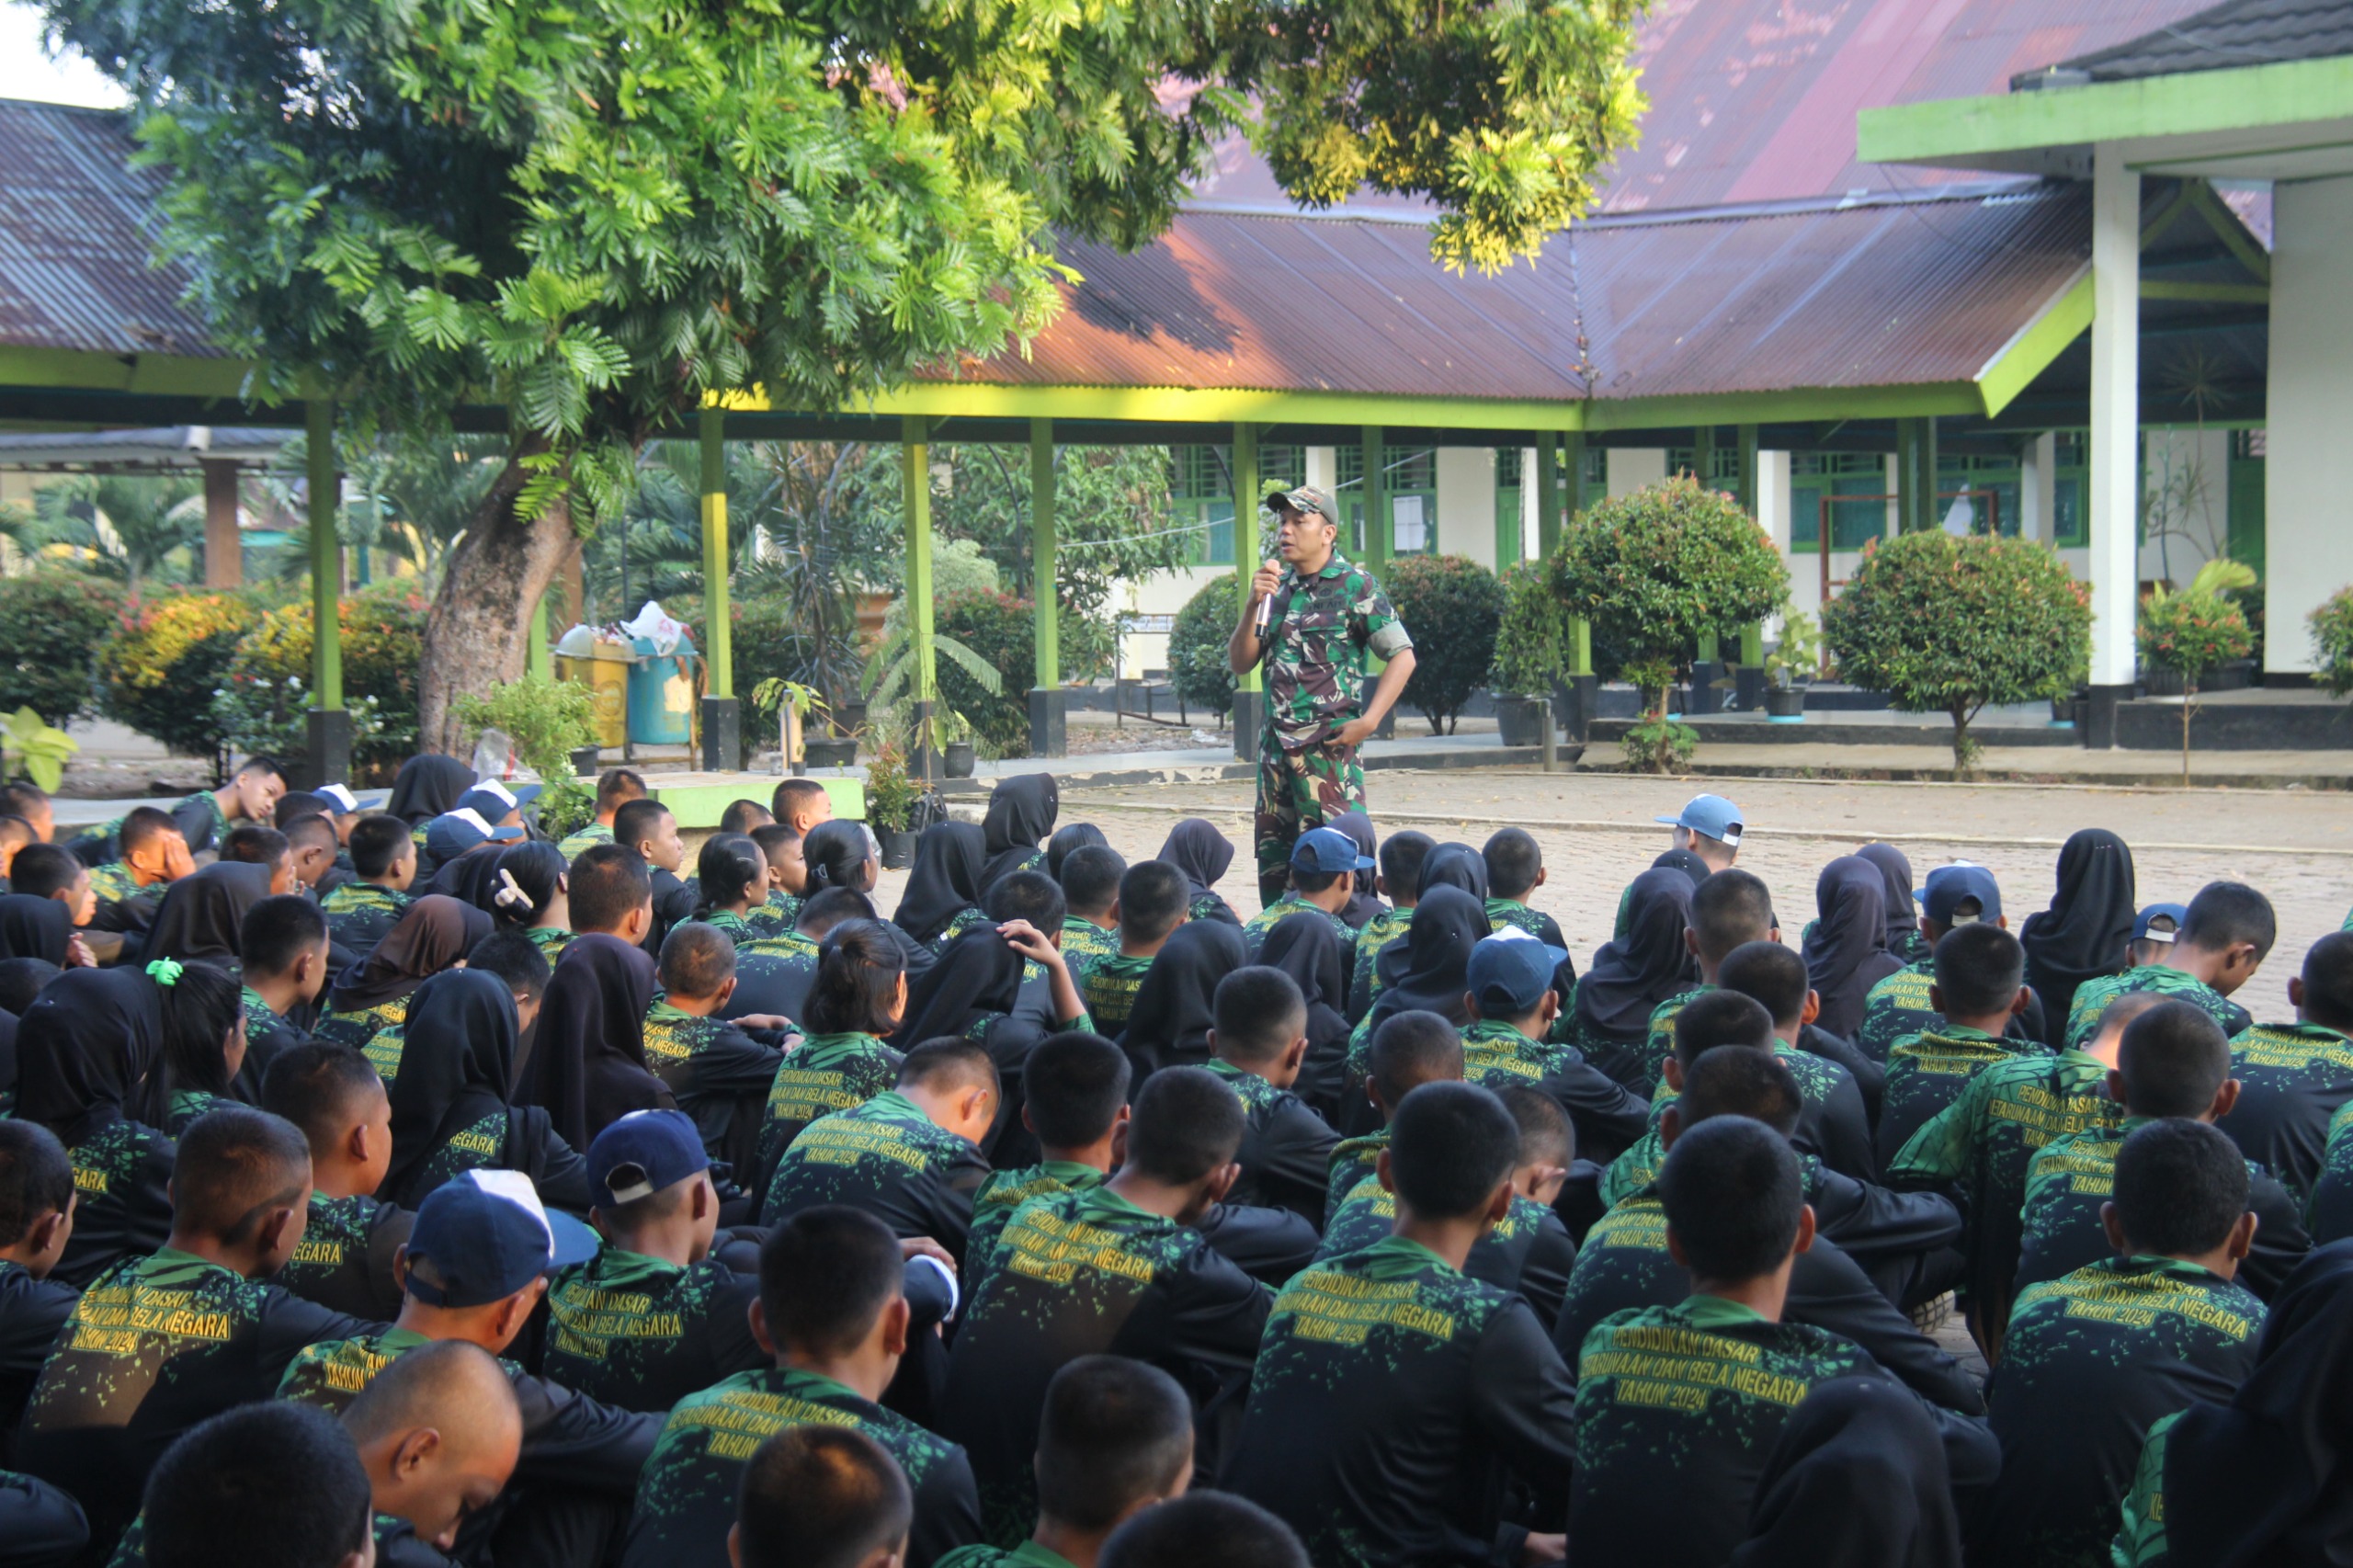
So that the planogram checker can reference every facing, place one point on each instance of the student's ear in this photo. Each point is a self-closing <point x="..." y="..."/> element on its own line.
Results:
<point x="1671" y="1069"/>
<point x="354" y="1143"/>
<point x="2242" y="1240"/>
<point x="705" y="1197"/>
<point x="2116" y="1085"/>
<point x="2296" y="992"/>
<point x="2225" y="1099"/>
<point x="1031" y="1122"/>
<point x="1209" y="1040"/>
<point x="735" y="1546"/>
<point x="1670" y="1126"/>
<point x="1541" y="873"/>
<point x="415" y="1452"/>
<point x="759" y="1319"/>
<point x="1805" y="1231"/>
<point x="280" y="1232"/>
<point x="1691" y="941"/>
<point x="2113" y="1228"/>
<point x="1380" y="1172"/>
<point x="1114" y="912"/>
<point x="1550" y="1008"/>
<point x="1674" y="1248"/>
<point x="2018" y="1002"/>
<point x="1294" y="1054"/>
<point x="1499" y="1203"/>
<point x="1380" y="885"/>
<point x="1935" y="997"/>
<point x="400" y="1269"/>
<point x="1812" y="1010"/>
<point x="1219" y="1183"/>
<point x="726" y="990"/>
<point x="51" y="1231"/>
<point x="1471" y="1003"/>
<point x="1120" y="1137"/>
<point x="894" y="1325"/>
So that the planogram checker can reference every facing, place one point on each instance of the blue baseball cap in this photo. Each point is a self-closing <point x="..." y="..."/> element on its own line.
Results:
<point x="642" y="1154"/>
<point x="1711" y="816"/>
<point x="451" y="834"/>
<point x="2145" y="925"/>
<point x="483" y="1236"/>
<point x="1327" y="849"/>
<point x="494" y="800"/>
<point x="1510" y="972"/>
<point x="338" y="799"/>
<point x="1947" y="887"/>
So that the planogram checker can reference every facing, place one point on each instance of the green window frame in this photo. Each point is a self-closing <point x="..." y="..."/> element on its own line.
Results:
<point x="1201" y="492"/>
<point x="1958" y="471"/>
<point x="1814" y="475"/>
<point x="1404" y="472"/>
<point x="1508" y="513"/>
<point x="2070" y="489"/>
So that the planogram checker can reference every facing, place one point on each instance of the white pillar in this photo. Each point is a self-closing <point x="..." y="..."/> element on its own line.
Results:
<point x="1465" y="524"/>
<point x="2308" y="546"/>
<point x="1631" y="467"/>
<point x="1323" y="468"/>
<point x="2116" y="411"/>
<point x="1773" y="515"/>
<point x="1528" y="507"/>
<point x="2038" y="480"/>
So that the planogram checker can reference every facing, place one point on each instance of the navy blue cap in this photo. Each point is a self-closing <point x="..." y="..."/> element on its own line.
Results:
<point x="1328" y="849"/>
<point x="1510" y="972"/>
<point x="494" y="800"/>
<point x="2177" y="913"/>
<point x="642" y="1154"/>
<point x="451" y="834"/>
<point x="338" y="799"/>
<point x="1947" y="887"/>
<point x="483" y="1236"/>
<point x="1711" y="816"/>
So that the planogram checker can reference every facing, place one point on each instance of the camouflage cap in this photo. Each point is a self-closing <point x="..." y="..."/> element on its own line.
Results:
<point x="1306" y="498"/>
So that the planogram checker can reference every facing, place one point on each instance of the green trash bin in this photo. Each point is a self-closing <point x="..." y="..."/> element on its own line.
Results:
<point x="662" y="695"/>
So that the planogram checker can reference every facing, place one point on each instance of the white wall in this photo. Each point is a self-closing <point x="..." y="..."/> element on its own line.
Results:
<point x="2187" y="474"/>
<point x="1466" y="503"/>
<point x="1631" y="468"/>
<point x="2308" y="462"/>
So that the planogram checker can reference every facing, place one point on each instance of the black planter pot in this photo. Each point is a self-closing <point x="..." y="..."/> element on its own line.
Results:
<point x="898" y="849"/>
<point x="2236" y="676"/>
<point x="586" y="760"/>
<point x="838" y="752"/>
<point x="1521" y="720"/>
<point x="1785" y="703"/>
<point x="959" y="759"/>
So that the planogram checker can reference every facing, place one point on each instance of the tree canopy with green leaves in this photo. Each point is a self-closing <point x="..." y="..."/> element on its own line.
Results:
<point x="591" y="215"/>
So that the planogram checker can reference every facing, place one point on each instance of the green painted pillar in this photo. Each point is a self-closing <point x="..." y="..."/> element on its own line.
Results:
<point x="1573" y="499"/>
<point x="1580" y="646"/>
<point x="915" y="444"/>
<point x="325" y="490"/>
<point x="1247" y="549"/>
<point x="720" y="631"/>
<point x="1909" y="507"/>
<point x="1376" y="534"/>
<point x="1041" y="552"/>
<point x="1703" y="455"/>
<point x="1752" y="636"/>
<point x="1547" y="493"/>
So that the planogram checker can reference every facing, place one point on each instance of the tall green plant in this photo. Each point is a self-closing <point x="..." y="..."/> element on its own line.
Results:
<point x="1532" y="635"/>
<point x="1197" y="644"/>
<point x="2332" y="630"/>
<point x="1947" y="625"/>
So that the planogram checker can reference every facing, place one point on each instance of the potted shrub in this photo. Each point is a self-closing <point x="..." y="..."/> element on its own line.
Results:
<point x="794" y="705"/>
<point x="956" y="750"/>
<point x="1654" y="573"/>
<point x="891" y="799"/>
<point x="1943" y="624"/>
<point x="586" y="760"/>
<point x="546" y="720"/>
<point x="1791" y="666"/>
<point x="2332" y="630"/>
<point x="1530" y="649"/>
<point x="830" y="751"/>
<point x="1451" y="605"/>
<point x="2191" y="632"/>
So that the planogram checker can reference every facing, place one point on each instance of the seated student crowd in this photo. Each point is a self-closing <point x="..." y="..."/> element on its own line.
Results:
<point x="578" y="1212"/>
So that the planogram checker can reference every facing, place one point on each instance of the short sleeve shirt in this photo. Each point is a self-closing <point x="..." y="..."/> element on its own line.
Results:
<point x="1324" y="628"/>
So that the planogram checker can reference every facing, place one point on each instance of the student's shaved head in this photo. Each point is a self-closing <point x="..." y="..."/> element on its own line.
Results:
<point x="2173" y="1058"/>
<point x="1728" y="909"/>
<point x="2328" y="981"/>
<point x="452" y="1385"/>
<point x="233" y="1165"/>
<point x="1411" y="1048"/>
<point x="1718" y="1019"/>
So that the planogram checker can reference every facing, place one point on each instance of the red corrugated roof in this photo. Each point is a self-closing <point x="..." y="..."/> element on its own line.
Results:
<point x="1896" y="293"/>
<point x="74" y="238"/>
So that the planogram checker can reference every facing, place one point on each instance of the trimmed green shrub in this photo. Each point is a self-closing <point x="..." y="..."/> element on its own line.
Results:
<point x="1655" y="570"/>
<point x="1532" y="636"/>
<point x="1451" y="606"/>
<point x="51" y="627"/>
<point x="1001" y="629"/>
<point x="2196" y="630"/>
<point x="261" y="695"/>
<point x="2332" y="628"/>
<point x="1942" y="624"/>
<point x="1197" y="646"/>
<point x="158" y="676"/>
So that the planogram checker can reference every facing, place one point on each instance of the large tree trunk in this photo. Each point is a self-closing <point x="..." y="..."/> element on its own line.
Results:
<point x="475" y="632"/>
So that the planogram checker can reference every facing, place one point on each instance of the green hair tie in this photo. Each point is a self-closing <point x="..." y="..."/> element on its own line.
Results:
<point x="164" y="971"/>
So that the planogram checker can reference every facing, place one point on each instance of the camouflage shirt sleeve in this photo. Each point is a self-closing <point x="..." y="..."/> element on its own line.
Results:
<point x="1372" y="619"/>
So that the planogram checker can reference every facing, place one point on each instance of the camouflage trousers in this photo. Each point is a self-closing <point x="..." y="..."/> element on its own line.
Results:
<point x="1298" y="790"/>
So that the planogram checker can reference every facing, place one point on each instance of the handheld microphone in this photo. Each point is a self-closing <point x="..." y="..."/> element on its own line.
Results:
<point x="1266" y="606"/>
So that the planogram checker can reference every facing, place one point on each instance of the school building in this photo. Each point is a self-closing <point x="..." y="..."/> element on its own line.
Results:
<point x="1875" y="265"/>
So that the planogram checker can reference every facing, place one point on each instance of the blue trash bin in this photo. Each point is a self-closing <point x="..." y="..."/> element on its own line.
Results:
<point x="662" y="695"/>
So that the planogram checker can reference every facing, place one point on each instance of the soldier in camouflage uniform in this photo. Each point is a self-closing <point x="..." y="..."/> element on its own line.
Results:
<point x="1328" y="614"/>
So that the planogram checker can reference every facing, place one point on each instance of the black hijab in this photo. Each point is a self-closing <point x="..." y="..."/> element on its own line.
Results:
<point x="1452" y="864"/>
<point x="1021" y="813"/>
<point x="1685" y="861"/>
<point x="1857" y="1480"/>
<point x="1170" y="1022"/>
<point x="202" y="915"/>
<point x="1895" y="871"/>
<point x="435" y="932"/>
<point x="1304" y="947"/>
<point x="978" y="973"/>
<point x="1634" y="973"/>
<point x="1195" y="847"/>
<point x="86" y="1052"/>
<point x="2264" y="1477"/>
<point x="1070" y="837"/>
<point x="1362" y="903"/>
<point x="428" y="786"/>
<point x="1847" y="953"/>
<point x="34" y="927"/>
<point x="944" y="879"/>
<point x="587" y="1066"/>
<point x="457" y="1068"/>
<point x="1428" y="968"/>
<point x="2083" y="935"/>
